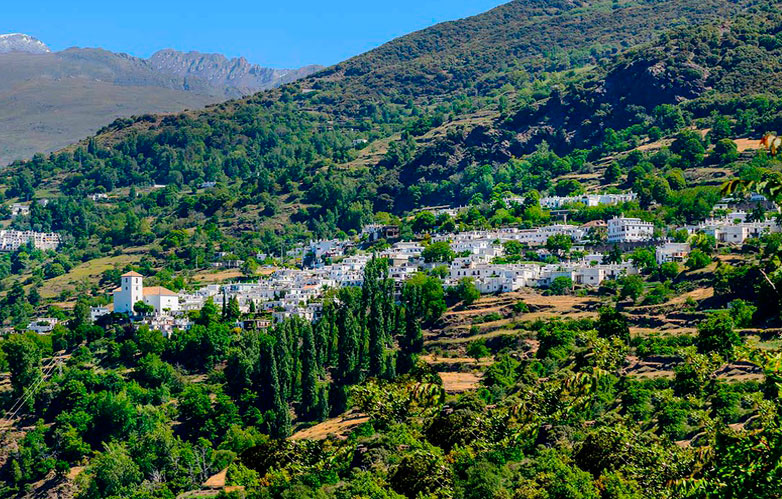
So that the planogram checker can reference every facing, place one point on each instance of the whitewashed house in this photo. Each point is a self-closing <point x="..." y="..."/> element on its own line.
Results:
<point x="627" y="230"/>
<point x="132" y="291"/>
<point x="98" y="312"/>
<point x="671" y="252"/>
<point x="43" y="325"/>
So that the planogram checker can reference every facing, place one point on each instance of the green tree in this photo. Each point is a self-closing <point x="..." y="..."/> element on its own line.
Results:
<point x="611" y="323"/>
<point x="568" y="187"/>
<point x="716" y="334"/>
<point x="23" y="357"/>
<point x="410" y="343"/>
<point x="697" y="260"/>
<point x="742" y="312"/>
<point x="613" y="256"/>
<point x="689" y="145"/>
<point x="424" y="222"/>
<point x="669" y="270"/>
<point x="424" y="298"/>
<point x="559" y="243"/>
<point x="612" y="173"/>
<point x="114" y="473"/>
<point x="560" y="285"/>
<point x="233" y="312"/>
<point x="309" y="375"/>
<point x="478" y="350"/>
<point x="644" y="259"/>
<point x="250" y="267"/>
<point x="725" y="151"/>
<point x="142" y="308"/>
<point x="512" y="247"/>
<point x="439" y="251"/>
<point x="466" y="291"/>
<point x="632" y="287"/>
<point x="720" y="129"/>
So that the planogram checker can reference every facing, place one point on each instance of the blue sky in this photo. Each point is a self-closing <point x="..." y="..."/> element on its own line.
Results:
<point x="276" y="34"/>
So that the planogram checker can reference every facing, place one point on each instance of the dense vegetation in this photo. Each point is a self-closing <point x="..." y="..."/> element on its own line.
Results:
<point x="120" y="391"/>
<point x="463" y="113"/>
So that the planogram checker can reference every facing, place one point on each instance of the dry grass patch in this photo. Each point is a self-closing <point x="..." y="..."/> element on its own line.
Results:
<point x="339" y="427"/>
<point x="89" y="271"/>
<point x="459" y="382"/>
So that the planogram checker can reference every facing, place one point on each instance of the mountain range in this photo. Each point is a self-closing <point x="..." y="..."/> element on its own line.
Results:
<point x="50" y="99"/>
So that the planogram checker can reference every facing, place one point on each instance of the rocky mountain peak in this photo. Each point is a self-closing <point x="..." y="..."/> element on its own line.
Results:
<point x="19" y="42"/>
<point x="237" y="75"/>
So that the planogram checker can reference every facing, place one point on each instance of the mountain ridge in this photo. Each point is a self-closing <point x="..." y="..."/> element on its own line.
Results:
<point x="20" y="42"/>
<point x="43" y="106"/>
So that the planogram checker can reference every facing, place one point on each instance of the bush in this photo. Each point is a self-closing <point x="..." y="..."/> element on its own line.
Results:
<point x="560" y="286"/>
<point x="716" y="334"/>
<point x="742" y="312"/>
<point x="697" y="260"/>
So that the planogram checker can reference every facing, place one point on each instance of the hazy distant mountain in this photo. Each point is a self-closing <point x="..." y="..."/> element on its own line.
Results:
<point x="210" y="72"/>
<point x="51" y="99"/>
<point x="18" y="42"/>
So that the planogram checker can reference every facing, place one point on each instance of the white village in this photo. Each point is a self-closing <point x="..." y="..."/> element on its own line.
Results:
<point x="328" y="264"/>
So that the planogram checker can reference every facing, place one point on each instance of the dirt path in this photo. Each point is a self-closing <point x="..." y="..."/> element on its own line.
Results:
<point x="437" y="359"/>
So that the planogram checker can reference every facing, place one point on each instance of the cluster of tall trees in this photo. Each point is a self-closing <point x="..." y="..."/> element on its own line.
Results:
<point x="312" y="365"/>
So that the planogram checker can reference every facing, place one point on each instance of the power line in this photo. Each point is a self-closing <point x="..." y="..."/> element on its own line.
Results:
<point x="12" y="412"/>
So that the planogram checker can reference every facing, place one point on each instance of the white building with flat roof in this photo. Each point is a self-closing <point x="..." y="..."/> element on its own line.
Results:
<point x="11" y="240"/>
<point x="671" y="252"/>
<point x="628" y="230"/>
<point x="43" y="325"/>
<point x="554" y="202"/>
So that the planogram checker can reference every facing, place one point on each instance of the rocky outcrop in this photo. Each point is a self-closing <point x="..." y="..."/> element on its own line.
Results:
<point x="19" y="42"/>
<point x="198" y="72"/>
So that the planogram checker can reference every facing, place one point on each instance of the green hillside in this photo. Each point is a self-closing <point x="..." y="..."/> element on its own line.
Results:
<point x="660" y="384"/>
<point x="274" y="148"/>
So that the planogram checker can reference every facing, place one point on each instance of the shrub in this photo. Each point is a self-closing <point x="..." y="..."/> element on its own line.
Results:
<point x="560" y="286"/>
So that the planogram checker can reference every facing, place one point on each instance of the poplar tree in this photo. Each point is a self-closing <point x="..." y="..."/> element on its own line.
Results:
<point x="233" y="312"/>
<point x="379" y="303"/>
<point x="272" y="394"/>
<point x="410" y="344"/>
<point x="309" y="375"/>
<point x="322" y="332"/>
<point x="283" y="359"/>
<point x="349" y="362"/>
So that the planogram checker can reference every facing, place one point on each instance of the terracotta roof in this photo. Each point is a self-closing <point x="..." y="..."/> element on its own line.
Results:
<point x="132" y="274"/>
<point x="158" y="290"/>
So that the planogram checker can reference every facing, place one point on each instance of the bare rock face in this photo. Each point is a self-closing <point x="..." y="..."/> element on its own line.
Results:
<point x="18" y="42"/>
<point x="199" y="72"/>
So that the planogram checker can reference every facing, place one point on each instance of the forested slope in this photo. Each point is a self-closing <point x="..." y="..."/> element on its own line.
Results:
<point x="276" y="142"/>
